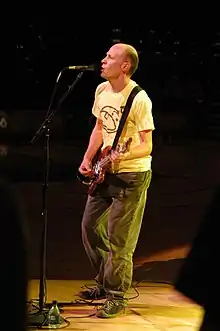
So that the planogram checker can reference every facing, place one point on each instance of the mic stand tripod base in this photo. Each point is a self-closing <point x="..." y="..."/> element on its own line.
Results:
<point x="39" y="319"/>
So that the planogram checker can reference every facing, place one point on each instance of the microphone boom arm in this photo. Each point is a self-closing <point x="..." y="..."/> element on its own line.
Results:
<point x="51" y="115"/>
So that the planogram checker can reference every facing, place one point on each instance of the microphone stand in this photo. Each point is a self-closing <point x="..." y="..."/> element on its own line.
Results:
<point x="39" y="319"/>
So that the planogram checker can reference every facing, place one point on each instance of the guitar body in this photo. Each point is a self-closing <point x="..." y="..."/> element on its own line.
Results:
<point x="99" y="170"/>
<point x="100" y="166"/>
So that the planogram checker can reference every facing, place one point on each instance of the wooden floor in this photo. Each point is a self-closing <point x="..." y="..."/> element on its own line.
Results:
<point x="157" y="307"/>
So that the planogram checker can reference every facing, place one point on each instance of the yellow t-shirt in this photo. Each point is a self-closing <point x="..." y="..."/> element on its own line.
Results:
<point x="108" y="106"/>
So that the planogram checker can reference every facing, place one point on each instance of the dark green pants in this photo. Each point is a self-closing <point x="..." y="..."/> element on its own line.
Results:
<point x="111" y="226"/>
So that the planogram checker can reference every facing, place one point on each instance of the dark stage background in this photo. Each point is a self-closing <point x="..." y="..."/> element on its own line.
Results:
<point x="179" y="70"/>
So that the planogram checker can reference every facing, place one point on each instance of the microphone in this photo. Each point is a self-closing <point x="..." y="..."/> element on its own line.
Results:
<point x="91" y="67"/>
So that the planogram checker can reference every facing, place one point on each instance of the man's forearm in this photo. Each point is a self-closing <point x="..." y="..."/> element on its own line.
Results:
<point x="144" y="148"/>
<point x="139" y="151"/>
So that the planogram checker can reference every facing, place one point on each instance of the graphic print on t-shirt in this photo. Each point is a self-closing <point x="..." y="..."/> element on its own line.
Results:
<point x="111" y="117"/>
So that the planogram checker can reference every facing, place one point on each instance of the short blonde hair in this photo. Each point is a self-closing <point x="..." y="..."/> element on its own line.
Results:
<point x="132" y="54"/>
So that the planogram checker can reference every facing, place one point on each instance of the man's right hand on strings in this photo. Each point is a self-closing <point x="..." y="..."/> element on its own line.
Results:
<point x="86" y="167"/>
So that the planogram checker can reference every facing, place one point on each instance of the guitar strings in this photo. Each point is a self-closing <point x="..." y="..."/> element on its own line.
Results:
<point x="104" y="161"/>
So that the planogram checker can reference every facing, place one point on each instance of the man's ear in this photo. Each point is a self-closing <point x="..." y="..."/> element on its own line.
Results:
<point x="126" y="66"/>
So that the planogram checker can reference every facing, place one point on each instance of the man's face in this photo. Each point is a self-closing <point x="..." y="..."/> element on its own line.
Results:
<point x="114" y="64"/>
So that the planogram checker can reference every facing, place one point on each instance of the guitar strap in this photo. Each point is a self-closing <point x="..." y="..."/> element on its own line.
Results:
<point x="130" y="99"/>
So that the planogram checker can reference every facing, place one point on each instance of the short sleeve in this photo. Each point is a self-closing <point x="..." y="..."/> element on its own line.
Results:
<point x="143" y="112"/>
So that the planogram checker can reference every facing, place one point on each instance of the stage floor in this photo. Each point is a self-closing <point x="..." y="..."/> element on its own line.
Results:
<point x="156" y="307"/>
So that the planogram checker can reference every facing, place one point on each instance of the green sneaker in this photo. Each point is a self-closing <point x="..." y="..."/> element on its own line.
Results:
<point x="112" y="308"/>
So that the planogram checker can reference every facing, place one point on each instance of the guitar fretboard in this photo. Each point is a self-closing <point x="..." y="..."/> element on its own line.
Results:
<point x="107" y="159"/>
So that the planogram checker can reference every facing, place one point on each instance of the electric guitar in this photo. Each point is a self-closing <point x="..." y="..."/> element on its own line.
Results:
<point x="101" y="165"/>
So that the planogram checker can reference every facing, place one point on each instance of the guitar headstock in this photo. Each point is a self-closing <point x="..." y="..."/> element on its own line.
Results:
<point x="123" y="148"/>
